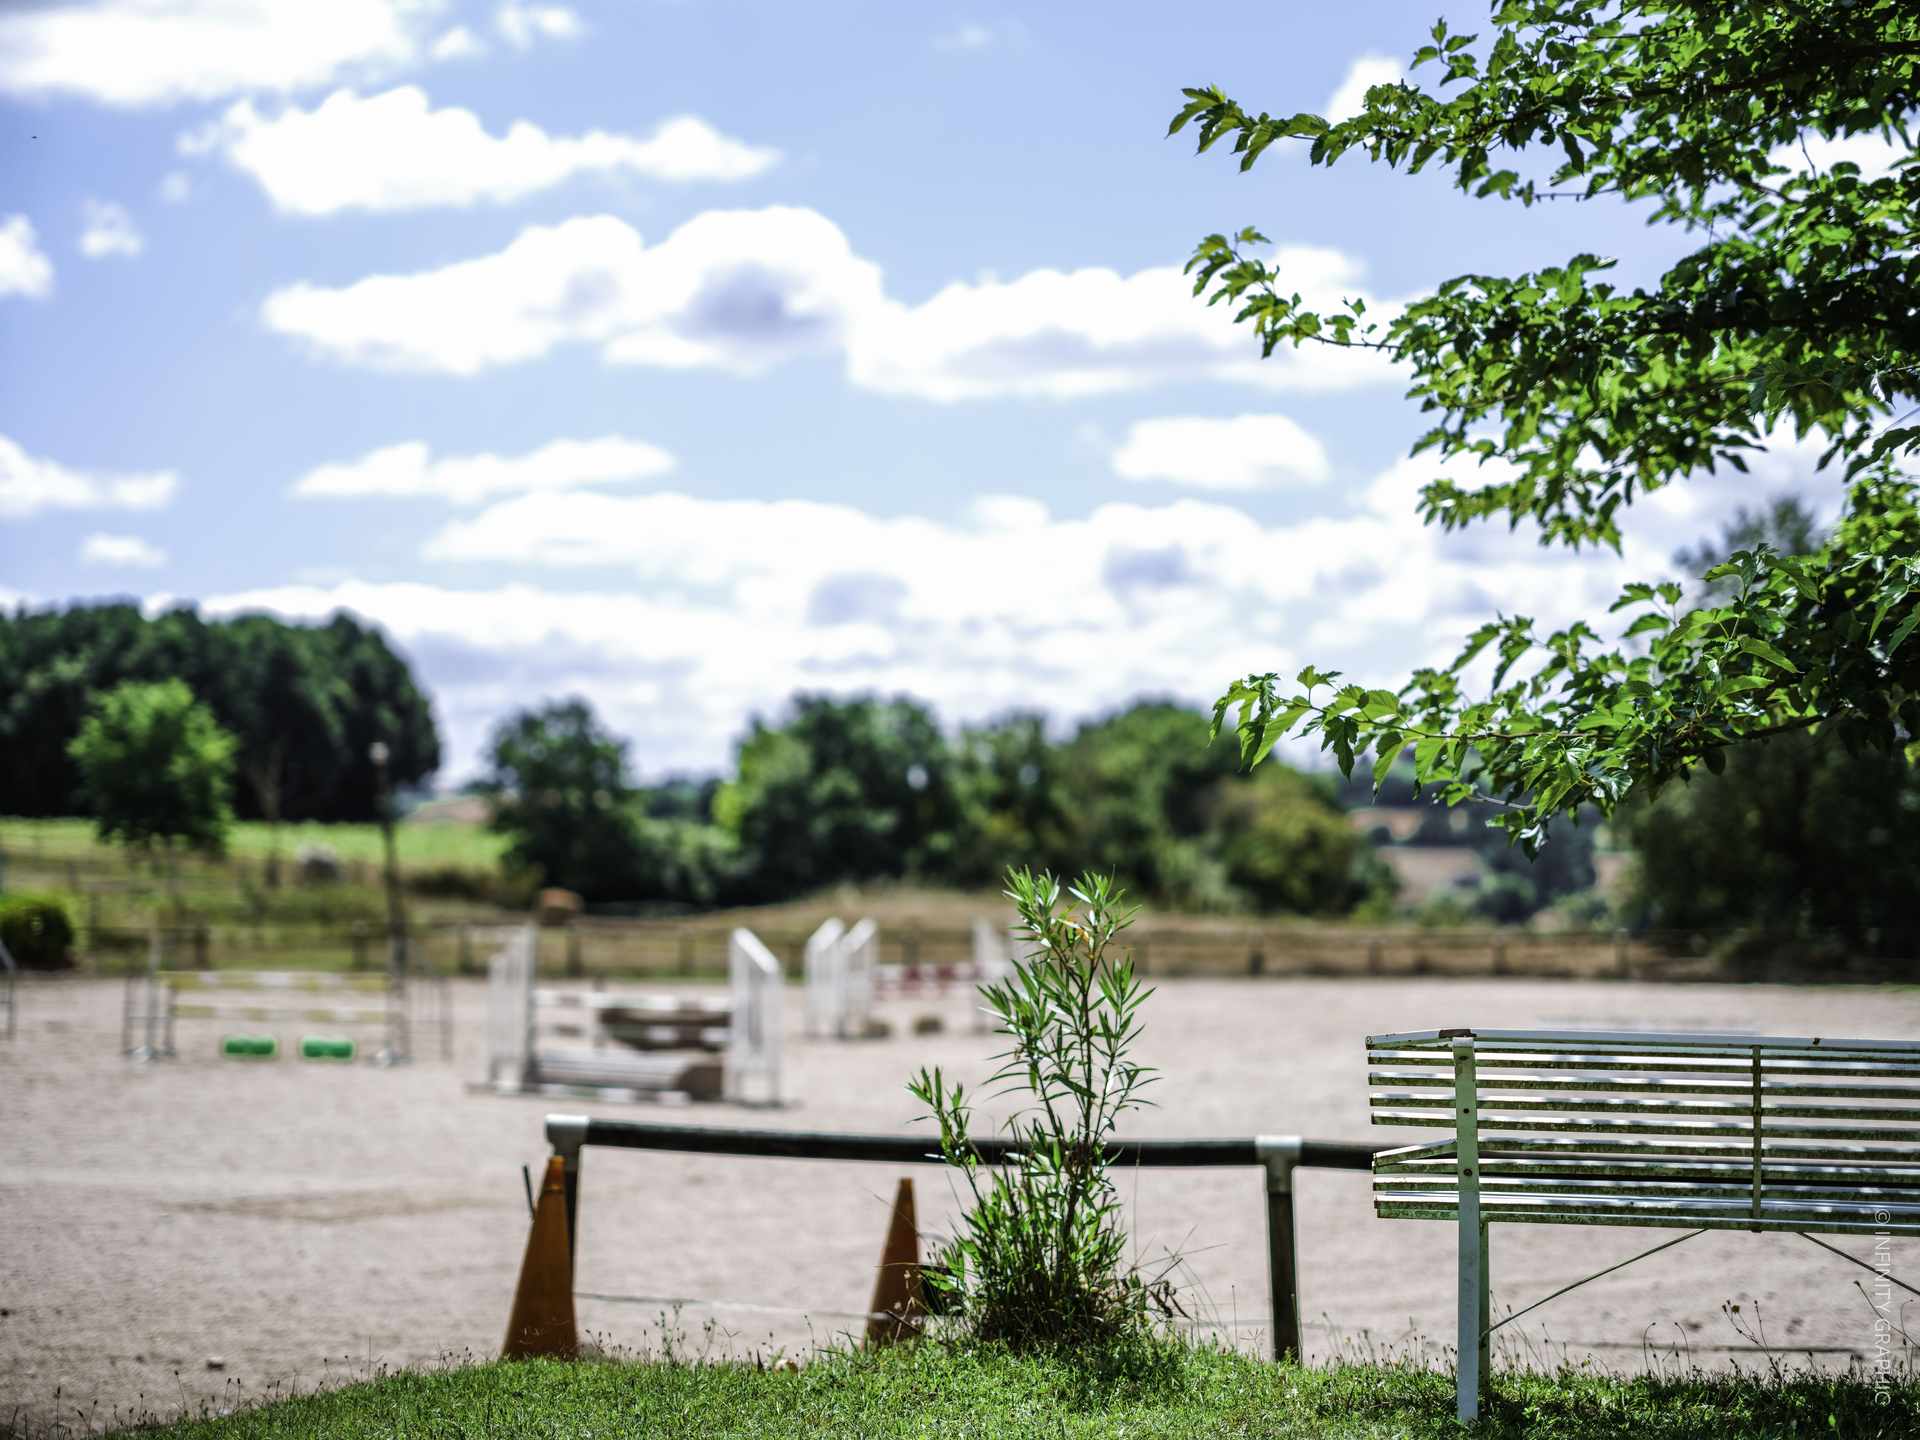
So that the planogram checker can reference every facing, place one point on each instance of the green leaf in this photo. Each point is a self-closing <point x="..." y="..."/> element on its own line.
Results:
<point x="1387" y="750"/>
<point x="1753" y="645"/>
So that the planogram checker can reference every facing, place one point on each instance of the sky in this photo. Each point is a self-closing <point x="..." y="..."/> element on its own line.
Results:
<point x="683" y="354"/>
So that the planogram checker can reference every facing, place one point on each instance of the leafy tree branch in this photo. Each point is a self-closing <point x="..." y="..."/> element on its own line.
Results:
<point x="1578" y="395"/>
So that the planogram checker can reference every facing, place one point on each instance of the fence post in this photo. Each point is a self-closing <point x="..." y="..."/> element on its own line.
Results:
<point x="686" y="950"/>
<point x="1620" y="953"/>
<point x="1256" y="960"/>
<point x="466" y="949"/>
<point x="201" y="943"/>
<point x="1278" y="1154"/>
<point x="359" y="946"/>
<point x="575" y="965"/>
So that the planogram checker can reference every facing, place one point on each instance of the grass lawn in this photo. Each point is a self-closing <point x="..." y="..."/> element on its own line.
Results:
<point x="419" y="843"/>
<point x="930" y="1390"/>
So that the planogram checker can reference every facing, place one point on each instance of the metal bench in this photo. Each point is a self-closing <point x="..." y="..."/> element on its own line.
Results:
<point x="1699" y="1132"/>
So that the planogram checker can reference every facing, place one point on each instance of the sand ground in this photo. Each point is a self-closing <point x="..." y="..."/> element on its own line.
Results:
<point x="197" y="1230"/>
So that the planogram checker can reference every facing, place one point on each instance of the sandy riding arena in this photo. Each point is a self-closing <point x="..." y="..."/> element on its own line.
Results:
<point x="204" y="1229"/>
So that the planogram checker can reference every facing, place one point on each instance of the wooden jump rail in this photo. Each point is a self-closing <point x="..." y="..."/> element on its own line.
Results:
<point x="1800" y="1134"/>
<point x="1277" y="1156"/>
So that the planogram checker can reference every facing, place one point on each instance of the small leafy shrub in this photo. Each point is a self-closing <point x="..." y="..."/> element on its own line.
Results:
<point x="1041" y="1258"/>
<point x="36" y="931"/>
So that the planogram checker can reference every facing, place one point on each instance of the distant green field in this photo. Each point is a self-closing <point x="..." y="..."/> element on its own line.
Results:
<point x="439" y="842"/>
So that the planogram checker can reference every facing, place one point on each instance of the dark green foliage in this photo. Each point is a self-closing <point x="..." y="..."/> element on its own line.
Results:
<point x="155" y="767"/>
<point x="1793" y="839"/>
<point x="1014" y="790"/>
<point x="303" y="702"/>
<point x="1577" y="394"/>
<point x="1041" y="1261"/>
<point x="860" y="789"/>
<point x="1167" y="1392"/>
<point x="1287" y="846"/>
<point x="563" y="798"/>
<point x="1796" y="840"/>
<point x="36" y="931"/>
<point x="864" y="789"/>
<point x="1143" y="782"/>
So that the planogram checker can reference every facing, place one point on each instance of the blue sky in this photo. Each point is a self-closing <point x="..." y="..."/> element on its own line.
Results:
<point x="684" y="353"/>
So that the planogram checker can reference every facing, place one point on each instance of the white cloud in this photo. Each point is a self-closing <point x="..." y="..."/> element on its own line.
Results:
<point x="521" y="25"/>
<point x="1365" y="73"/>
<point x="974" y="37"/>
<point x="148" y="52"/>
<point x="739" y="290"/>
<point x="459" y="43"/>
<point x="109" y="230"/>
<point x="1874" y="154"/>
<point x="409" y="471"/>
<point x="24" y="267"/>
<point x="733" y="290"/>
<point x="126" y="551"/>
<point x="1246" y="452"/>
<point x="176" y="187"/>
<point x="29" y="485"/>
<point x="394" y="152"/>
<point x="679" y="616"/>
<point x="1066" y="334"/>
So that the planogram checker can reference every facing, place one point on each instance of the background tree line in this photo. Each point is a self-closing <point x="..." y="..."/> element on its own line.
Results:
<point x="872" y="789"/>
<point x="302" y="703"/>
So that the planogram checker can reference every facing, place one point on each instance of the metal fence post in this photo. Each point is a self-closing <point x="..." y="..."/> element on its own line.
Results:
<point x="1278" y="1154"/>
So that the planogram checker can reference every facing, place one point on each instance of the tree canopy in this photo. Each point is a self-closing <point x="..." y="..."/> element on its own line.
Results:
<point x="1793" y="312"/>
<point x="562" y="794"/>
<point x="304" y="703"/>
<point x="155" y="766"/>
<point x="867" y="788"/>
<point x="1796" y="841"/>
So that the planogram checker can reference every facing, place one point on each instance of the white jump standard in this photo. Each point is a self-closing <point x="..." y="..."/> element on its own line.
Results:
<point x="845" y="980"/>
<point x="1699" y="1132"/>
<point x="612" y="1045"/>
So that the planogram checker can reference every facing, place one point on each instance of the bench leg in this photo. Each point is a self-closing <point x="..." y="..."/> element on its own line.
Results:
<point x="1474" y="1315"/>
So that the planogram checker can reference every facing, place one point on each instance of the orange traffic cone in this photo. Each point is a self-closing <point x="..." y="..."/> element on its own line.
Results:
<point x="899" y="1302"/>
<point x="542" y="1319"/>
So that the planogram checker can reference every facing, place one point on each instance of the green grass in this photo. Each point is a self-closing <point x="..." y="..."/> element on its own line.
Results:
<point x="1161" y="1391"/>
<point x="429" y="843"/>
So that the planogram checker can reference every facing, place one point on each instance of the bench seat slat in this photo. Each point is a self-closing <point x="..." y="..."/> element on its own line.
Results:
<point x="1657" y="1221"/>
<point x="1654" y="1126"/>
<point x="1904" y="1174"/>
<point x="1486" y="1040"/>
<point x="1654" y="1189"/>
<point x="1550" y="1202"/>
<point x="1561" y="1147"/>
<point x="1741" y="1087"/>
<point x="1732" y="1067"/>
<point x="1609" y="1105"/>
